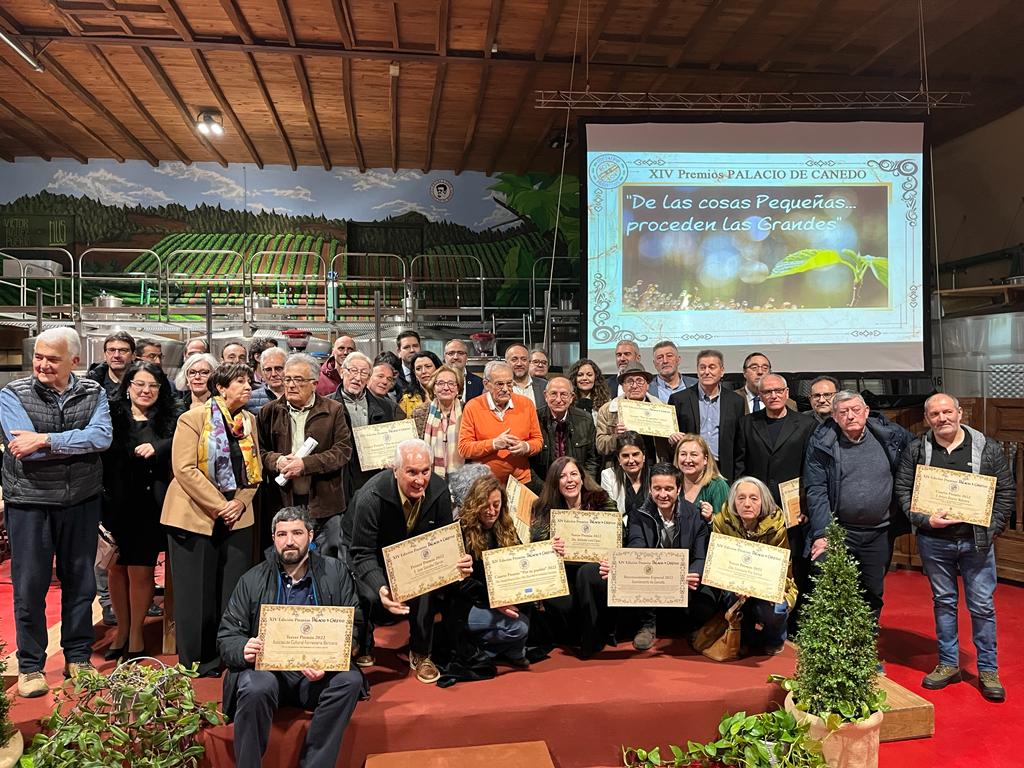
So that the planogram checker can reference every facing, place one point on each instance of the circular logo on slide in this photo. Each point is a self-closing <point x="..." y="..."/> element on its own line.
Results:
<point x="608" y="171"/>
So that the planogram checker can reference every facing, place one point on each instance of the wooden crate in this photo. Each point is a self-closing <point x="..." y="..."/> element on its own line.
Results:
<point x="521" y="754"/>
<point x="911" y="716"/>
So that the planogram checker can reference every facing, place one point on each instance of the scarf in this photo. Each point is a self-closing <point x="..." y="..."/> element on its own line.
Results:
<point x="215" y="447"/>
<point x="441" y="433"/>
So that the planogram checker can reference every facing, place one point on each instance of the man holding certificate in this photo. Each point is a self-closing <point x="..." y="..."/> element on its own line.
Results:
<point x="611" y="423"/>
<point x="290" y="576"/>
<point x="948" y="546"/>
<point x="399" y="504"/>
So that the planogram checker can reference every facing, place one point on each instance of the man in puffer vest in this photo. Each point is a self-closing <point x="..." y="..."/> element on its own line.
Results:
<point x="55" y="425"/>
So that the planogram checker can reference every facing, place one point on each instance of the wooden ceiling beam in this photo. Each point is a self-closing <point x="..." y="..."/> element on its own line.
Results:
<point x="524" y="91"/>
<point x="393" y="115"/>
<point x="286" y="20"/>
<point x="547" y="29"/>
<point x="594" y="38"/>
<point x="823" y="10"/>
<point x="311" y="117"/>
<point x="443" y="11"/>
<point x="177" y="19"/>
<point x="937" y="39"/>
<point x="35" y="129"/>
<point x="699" y="28"/>
<point x="492" y="28"/>
<point x="56" y="106"/>
<point x="435" y="106"/>
<point x="656" y="14"/>
<point x="908" y="38"/>
<point x="474" y="118"/>
<point x="234" y="14"/>
<point x="29" y="144"/>
<point x="739" y="38"/>
<point x="226" y="108"/>
<point x="64" y="77"/>
<point x="164" y="83"/>
<point x="549" y="124"/>
<point x="350" y="114"/>
<point x="343" y="18"/>
<point x="856" y="31"/>
<point x="268" y="102"/>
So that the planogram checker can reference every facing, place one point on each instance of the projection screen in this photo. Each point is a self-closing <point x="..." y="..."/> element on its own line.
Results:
<point x="801" y="240"/>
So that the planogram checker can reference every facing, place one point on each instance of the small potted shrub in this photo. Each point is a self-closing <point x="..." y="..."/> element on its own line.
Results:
<point x="835" y="688"/>
<point x="766" y="740"/>
<point x="140" y="715"/>
<point x="11" y="743"/>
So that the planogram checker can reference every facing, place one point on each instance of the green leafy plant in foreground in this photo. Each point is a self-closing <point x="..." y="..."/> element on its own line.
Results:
<point x="6" y="727"/>
<point x="766" y="740"/>
<point x="837" y="658"/>
<point x="809" y="259"/>
<point x="141" y="716"/>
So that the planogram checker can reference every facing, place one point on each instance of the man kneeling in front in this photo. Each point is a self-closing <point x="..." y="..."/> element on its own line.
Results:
<point x="290" y="575"/>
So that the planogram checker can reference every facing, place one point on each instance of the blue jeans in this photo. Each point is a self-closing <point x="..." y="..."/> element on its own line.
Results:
<point x="498" y="634"/>
<point x="942" y="560"/>
<point x="37" y="535"/>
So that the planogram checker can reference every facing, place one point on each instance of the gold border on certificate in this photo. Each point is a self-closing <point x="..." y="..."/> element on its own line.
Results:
<point x="589" y="535"/>
<point x="964" y="496"/>
<point x="789" y="493"/>
<point x="424" y="563"/>
<point x="523" y="574"/>
<point x="647" y="418"/>
<point x="746" y="567"/>
<point x="297" y="637"/>
<point x="520" y="500"/>
<point x="654" y="578"/>
<point x="376" y="443"/>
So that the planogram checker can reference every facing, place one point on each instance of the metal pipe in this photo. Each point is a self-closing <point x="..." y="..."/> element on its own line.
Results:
<point x="377" y="321"/>
<point x="209" y="319"/>
<point x="39" y="312"/>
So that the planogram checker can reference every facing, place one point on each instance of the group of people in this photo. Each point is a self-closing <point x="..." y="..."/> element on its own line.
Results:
<point x="213" y="470"/>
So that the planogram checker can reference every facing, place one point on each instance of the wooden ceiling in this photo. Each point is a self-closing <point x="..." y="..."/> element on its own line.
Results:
<point x="450" y="84"/>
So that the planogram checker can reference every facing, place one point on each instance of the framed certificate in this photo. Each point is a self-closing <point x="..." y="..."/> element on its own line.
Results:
<point x="964" y="496"/>
<point x="653" y="578"/>
<point x="746" y="567"/>
<point x="589" y="535"/>
<point x="520" y="506"/>
<point x="376" y="443"/>
<point x="523" y="574"/>
<point x="789" y="492"/>
<point x="297" y="637"/>
<point x="424" y="563"/>
<point x="647" y="418"/>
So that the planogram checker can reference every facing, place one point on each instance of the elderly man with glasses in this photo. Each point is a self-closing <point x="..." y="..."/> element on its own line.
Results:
<point x="634" y="381"/>
<point x="272" y="362"/>
<point x="316" y="480"/>
<point x="823" y="389"/>
<point x="568" y="431"/>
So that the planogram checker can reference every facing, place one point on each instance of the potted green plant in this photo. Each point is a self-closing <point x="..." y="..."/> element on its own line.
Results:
<point x="766" y="740"/>
<point x="141" y="715"/>
<point x="11" y="743"/>
<point x="835" y="688"/>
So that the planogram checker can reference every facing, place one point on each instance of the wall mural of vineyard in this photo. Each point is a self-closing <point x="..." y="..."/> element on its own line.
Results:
<point x="287" y="230"/>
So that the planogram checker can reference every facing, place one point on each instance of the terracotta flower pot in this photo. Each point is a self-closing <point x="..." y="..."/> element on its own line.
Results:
<point x="10" y="752"/>
<point x="854" y="745"/>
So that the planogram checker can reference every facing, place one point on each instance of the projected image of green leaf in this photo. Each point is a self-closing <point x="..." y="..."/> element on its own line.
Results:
<point x="810" y="259"/>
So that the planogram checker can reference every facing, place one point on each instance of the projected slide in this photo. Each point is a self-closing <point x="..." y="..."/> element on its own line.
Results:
<point x="801" y="240"/>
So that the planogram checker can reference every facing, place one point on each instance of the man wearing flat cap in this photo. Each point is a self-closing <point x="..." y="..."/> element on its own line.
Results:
<point x="634" y="381"/>
<point x="710" y="410"/>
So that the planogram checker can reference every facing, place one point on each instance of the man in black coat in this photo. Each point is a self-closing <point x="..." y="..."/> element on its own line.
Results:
<point x="397" y="504"/>
<point x="711" y="411"/>
<point x="456" y="354"/>
<point x="567" y="431"/>
<point x="291" y="575"/>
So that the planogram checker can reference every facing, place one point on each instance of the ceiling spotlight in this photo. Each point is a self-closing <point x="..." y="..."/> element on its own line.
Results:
<point x="210" y="123"/>
<point x="559" y="139"/>
<point x="29" y="59"/>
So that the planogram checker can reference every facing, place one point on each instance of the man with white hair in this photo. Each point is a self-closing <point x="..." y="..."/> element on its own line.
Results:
<point x="848" y="477"/>
<point x="55" y="425"/>
<point x="499" y="428"/>
<point x="272" y="362"/>
<point x="397" y="504"/>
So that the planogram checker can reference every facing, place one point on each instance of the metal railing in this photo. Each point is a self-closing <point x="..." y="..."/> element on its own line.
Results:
<point x="162" y="298"/>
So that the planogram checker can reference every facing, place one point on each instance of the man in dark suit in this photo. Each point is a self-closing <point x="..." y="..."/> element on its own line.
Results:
<point x="710" y="410"/>
<point x="456" y="354"/>
<point x="407" y="346"/>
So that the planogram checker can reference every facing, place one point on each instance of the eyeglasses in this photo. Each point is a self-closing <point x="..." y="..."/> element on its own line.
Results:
<point x="198" y="373"/>
<point x="296" y="380"/>
<point x="636" y="382"/>
<point x="118" y="350"/>
<point x="757" y="367"/>
<point x="446" y="385"/>
<point x="357" y="374"/>
<point x="501" y="384"/>
<point x="456" y="353"/>
<point x="145" y="386"/>
<point x="559" y="395"/>
<point x="774" y="392"/>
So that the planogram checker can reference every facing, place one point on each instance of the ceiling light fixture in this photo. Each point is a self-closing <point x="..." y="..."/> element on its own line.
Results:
<point x="29" y="58"/>
<point x="210" y="123"/>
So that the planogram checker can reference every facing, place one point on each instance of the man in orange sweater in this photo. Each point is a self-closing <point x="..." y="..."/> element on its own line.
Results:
<point x="499" y="428"/>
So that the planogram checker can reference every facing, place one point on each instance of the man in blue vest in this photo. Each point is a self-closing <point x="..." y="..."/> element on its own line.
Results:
<point x="55" y="425"/>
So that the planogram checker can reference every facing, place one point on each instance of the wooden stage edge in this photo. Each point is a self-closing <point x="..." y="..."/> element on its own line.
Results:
<point x="910" y="716"/>
<point x="520" y="754"/>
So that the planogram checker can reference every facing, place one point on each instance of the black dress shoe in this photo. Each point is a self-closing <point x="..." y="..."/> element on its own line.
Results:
<point x="113" y="654"/>
<point x="129" y="655"/>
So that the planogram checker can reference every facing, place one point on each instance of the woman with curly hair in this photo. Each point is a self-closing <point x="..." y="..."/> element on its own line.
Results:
<point x="588" y="386"/>
<point x="487" y="524"/>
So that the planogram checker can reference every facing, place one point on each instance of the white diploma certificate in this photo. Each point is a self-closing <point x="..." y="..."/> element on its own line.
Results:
<point x="588" y="535"/>
<point x="297" y="637"/>
<point x="653" y="578"/>
<point x="963" y="496"/>
<point x="523" y="574"/>
<point x="746" y="567"/>
<point x="647" y="418"/>
<point x="424" y="563"/>
<point x="376" y="443"/>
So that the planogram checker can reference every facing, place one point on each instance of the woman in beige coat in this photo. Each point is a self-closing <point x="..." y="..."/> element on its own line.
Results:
<point x="208" y="511"/>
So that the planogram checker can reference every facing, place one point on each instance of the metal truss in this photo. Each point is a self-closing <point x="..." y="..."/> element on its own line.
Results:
<point x="753" y="101"/>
